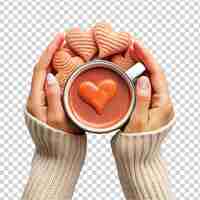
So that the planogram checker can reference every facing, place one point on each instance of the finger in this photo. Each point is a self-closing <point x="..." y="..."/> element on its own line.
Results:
<point x="41" y="68"/>
<point x="139" y="118"/>
<point x="55" y="113"/>
<point x="53" y="97"/>
<point x="157" y="76"/>
<point x="47" y="55"/>
<point x="143" y="99"/>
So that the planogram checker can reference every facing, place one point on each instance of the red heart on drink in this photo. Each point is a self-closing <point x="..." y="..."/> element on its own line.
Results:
<point x="99" y="95"/>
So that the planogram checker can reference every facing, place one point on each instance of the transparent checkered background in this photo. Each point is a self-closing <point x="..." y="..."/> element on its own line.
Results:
<point x="170" y="28"/>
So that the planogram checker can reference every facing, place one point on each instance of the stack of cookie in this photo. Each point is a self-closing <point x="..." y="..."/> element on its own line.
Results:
<point x="98" y="42"/>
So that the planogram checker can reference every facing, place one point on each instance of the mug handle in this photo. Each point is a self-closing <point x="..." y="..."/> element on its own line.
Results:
<point x="135" y="71"/>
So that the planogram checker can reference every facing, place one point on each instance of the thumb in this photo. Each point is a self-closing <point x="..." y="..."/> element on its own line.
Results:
<point x="53" y="95"/>
<point x="143" y="99"/>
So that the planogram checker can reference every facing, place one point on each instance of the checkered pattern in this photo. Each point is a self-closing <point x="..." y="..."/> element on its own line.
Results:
<point x="169" y="28"/>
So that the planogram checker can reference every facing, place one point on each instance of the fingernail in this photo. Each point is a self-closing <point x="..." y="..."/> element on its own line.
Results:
<point x="51" y="80"/>
<point x="143" y="84"/>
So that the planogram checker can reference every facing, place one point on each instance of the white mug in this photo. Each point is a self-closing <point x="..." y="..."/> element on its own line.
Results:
<point x="129" y="76"/>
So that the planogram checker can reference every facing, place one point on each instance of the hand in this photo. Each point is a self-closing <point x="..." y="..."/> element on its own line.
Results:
<point x="44" y="101"/>
<point x="154" y="107"/>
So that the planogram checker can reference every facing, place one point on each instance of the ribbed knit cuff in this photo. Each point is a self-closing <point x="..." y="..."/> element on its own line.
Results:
<point x="57" y="162"/>
<point x="141" y="170"/>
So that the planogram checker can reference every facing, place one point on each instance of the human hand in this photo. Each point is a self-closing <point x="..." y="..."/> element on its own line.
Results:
<point x="44" y="101"/>
<point x="154" y="107"/>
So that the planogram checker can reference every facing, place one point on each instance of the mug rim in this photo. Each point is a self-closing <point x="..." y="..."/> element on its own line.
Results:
<point x="94" y="64"/>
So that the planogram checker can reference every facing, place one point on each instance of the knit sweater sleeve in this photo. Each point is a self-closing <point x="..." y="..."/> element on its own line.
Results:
<point x="141" y="169"/>
<point x="56" y="164"/>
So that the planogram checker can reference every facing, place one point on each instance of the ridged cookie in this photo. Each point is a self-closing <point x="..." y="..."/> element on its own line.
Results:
<point x="64" y="73"/>
<point x="60" y="59"/>
<point x="109" y="42"/>
<point x="82" y="42"/>
<point x="124" y="61"/>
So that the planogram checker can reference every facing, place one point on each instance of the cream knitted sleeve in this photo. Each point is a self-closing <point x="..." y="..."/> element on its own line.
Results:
<point x="141" y="170"/>
<point x="57" y="162"/>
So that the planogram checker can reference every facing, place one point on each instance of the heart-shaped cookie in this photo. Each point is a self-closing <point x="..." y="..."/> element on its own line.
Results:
<point x="99" y="95"/>
<point x="82" y="42"/>
<point x="124" y="61"/>
<point x="60" y="59"/>
<point x="109" y="42"/>
<point x="66" y="46"/>
<point x="65" y="67"/>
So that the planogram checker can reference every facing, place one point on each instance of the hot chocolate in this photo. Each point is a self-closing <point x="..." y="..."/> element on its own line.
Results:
<point x="99" y="97"/>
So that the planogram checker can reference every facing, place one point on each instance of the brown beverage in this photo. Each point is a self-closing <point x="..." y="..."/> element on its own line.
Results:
<point x="99" y="97"/>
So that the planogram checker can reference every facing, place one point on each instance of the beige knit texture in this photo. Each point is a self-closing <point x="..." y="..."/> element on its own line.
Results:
<point x="57" y="162"/>
<point x="141" y="170"/>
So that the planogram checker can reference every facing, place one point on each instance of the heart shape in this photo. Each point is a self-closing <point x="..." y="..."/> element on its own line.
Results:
<point x="60" y="59"/>
<point x="63" y="61"/>
<point x="64" y="64"/>
<point x="110" y="42"/>
<point x="99" y="95"/>
<point x="82" y="42"/>
<point x="63" y="74"/>
<point x="124" y="61"/>
<point x="66" y="46"/>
